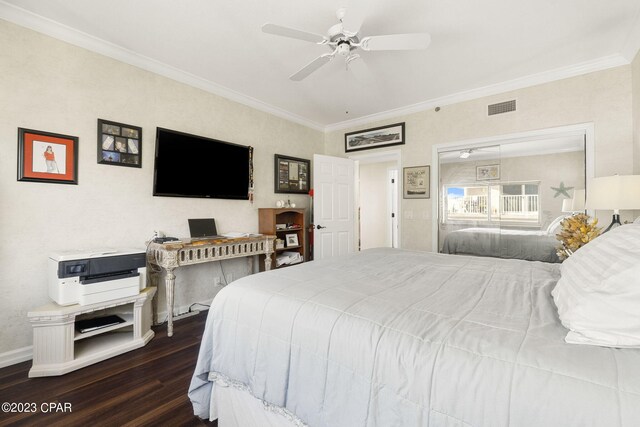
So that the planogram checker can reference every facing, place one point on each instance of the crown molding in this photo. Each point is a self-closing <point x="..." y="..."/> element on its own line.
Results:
<point x="70" y="35"/>
<point x="495" y="89"/>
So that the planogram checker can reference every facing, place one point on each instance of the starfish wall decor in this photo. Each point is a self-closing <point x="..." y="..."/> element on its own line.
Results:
<point x="561" y="189"/>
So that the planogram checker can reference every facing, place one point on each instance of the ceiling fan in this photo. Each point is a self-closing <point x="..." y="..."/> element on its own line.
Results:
<point x="344" y="39"/>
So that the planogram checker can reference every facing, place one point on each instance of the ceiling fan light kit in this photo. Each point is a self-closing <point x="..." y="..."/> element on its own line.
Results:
<point x="343" y="39"/>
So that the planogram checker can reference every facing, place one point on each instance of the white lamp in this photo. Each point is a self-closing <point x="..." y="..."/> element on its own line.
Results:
<point x="578" y="201"/>
<point x="576" y="204"/>
<point x="614" y="192"/>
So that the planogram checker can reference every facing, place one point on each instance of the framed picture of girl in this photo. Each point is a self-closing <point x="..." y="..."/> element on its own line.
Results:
<point x="47" y="157"/>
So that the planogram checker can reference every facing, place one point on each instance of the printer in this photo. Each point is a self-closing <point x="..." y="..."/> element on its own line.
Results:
<point x="95" y="276"/>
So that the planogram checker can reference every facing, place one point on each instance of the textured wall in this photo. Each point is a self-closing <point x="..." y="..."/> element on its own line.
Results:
<point x="53" y="86"/>
<point x="603" y="98"/>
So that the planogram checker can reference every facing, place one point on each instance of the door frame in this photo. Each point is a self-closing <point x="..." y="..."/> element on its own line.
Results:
<point x="586" y="129"/>
<point x="391" y="203"/>
<point x="394" y="155"/>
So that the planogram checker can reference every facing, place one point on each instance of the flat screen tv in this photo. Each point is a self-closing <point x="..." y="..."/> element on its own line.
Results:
<point x="195" y="166"/>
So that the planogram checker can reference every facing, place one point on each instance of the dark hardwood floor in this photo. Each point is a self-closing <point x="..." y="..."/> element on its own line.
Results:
<point x="144" y="387"/>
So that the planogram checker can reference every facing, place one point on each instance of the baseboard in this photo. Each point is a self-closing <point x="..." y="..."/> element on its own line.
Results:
<point x="180" y="311"/>
<point x="16" y="356"/>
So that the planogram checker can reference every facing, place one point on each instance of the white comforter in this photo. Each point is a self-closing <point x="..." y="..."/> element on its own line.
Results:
<point x="398" y="338"/>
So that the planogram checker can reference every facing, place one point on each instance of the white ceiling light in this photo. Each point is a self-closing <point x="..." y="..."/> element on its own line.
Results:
<point x="464" y="154"/>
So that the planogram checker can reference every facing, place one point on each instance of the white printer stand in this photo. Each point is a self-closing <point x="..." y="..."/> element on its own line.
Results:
<point x="58" y="348"/>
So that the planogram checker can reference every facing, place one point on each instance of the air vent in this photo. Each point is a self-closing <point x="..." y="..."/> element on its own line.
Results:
<point x="502" y="107"/>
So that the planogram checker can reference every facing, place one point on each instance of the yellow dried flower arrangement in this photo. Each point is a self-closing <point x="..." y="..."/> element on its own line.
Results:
<point x="576" y="231"/>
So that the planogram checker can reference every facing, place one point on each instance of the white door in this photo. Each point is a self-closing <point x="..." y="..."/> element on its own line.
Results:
<point x="392" y="203"/>
<point x="333" y="212"/>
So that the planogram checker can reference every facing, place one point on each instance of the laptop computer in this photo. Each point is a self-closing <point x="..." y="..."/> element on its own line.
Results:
<point x="203" y="228"/>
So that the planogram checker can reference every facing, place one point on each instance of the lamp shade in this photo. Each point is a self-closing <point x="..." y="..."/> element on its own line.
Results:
<point x="577" y="203"/>
<point x="614" y="192"/>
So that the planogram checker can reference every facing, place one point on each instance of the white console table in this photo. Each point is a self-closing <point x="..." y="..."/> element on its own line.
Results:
<point x="58" y="348"/>
<point x="171" y="255"/>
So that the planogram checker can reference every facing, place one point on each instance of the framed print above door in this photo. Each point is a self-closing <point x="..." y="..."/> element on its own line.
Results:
<point x="383" y="136"/>
<point x="47" y="157"/>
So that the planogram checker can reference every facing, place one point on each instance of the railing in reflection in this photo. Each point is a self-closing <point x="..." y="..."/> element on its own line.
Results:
<point x="512" y="207"/>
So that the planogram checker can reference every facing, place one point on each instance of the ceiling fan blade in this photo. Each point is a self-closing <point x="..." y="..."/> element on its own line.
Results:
<point x="279" y="30"/>
<point x="396" y="42"/>
<point x="312" y="66"/>
<point x="351" y="23"/>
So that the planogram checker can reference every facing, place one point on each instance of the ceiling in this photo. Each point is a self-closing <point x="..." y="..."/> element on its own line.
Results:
<point x="477" y="48"/>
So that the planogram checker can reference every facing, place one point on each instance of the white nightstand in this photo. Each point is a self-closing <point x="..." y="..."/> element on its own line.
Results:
<point x="58" y="348"/>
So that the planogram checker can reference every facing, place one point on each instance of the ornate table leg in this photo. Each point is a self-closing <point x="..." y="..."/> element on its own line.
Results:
<point x="267" y="255"/>
<point x="170" y="282"/>
<point x="250" y="261"/>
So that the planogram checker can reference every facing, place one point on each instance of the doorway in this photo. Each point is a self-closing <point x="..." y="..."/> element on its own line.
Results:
<point x="377" y="203"/>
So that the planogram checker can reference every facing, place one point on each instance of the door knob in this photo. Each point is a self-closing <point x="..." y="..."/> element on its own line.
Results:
<point x="319" y="227"/>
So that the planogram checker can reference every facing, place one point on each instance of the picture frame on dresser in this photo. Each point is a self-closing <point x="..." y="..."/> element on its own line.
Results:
<point x="291" y="174"/>
<point x="119" y="144"/>
<point x="292" y="240"/>
<point x="47" y="157"/>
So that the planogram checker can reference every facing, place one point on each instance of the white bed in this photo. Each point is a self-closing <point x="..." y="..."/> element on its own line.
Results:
<point x="503" y="243"/>
<point x="390" y="337"/>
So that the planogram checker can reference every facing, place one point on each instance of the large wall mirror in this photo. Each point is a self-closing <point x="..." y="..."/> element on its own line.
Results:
<point x="507" y="199"/>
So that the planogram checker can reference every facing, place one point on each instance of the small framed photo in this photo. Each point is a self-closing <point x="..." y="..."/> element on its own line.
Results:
<point x="292" y="240"/>
<point x="383" y="136"/>
<point x="291" y="174"/>
<point x="487" y="172"/>
<point x="416" y="182"/>
<point x="47" y="157"/>
<point x="119" y="144"/>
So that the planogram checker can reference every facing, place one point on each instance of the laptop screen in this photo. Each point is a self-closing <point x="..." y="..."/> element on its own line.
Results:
<point x="202" y="227"/>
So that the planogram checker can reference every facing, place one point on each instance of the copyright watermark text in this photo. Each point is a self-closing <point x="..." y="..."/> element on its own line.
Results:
<point x="45" y="407"/>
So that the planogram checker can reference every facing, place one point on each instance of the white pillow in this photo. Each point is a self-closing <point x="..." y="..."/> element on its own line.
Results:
<point x="598" y="295"/>
<point x="555" y="225"/>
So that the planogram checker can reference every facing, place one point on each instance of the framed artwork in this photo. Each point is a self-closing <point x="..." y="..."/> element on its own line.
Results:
<point x="47" y="157"/>
<point x="487" y="172"/>
<point x="383" y="136"/>
<point x="119" y="144"/>
<point x="291" y="174"/>
<point x="416" y="182"/>
<point x="292" y="240"/>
